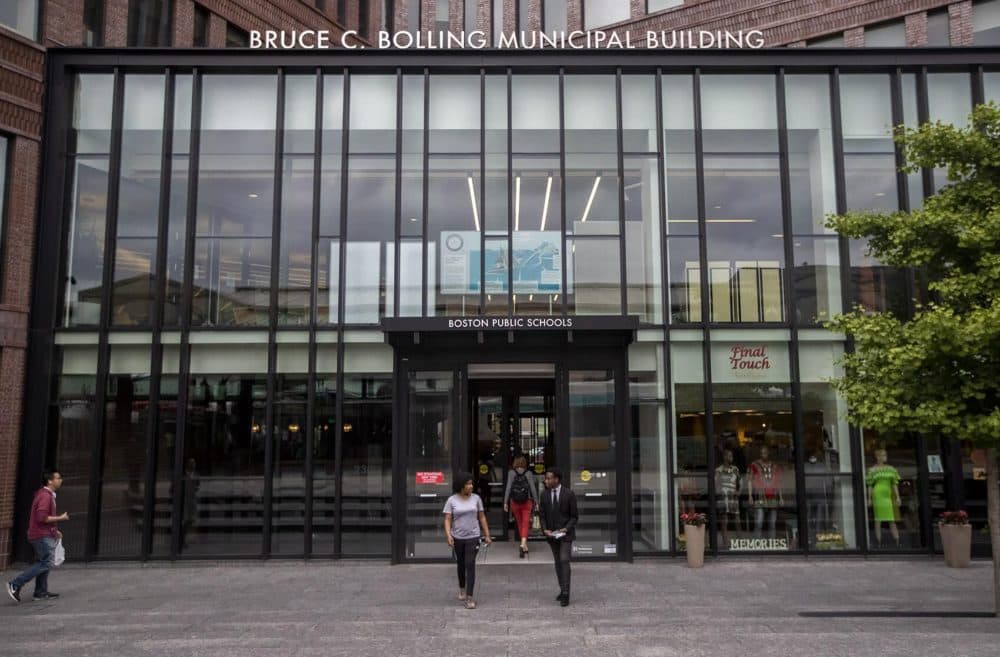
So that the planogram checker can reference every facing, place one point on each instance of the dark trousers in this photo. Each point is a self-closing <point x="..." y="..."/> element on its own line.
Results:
<point x="465" y="557"/>
<point x="561" y="552"/>
<point x="39" y="571"/>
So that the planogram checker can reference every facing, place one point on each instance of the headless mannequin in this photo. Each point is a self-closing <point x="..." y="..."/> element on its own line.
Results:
<point x="764" y="491"/>
<point x="727" y="490"/>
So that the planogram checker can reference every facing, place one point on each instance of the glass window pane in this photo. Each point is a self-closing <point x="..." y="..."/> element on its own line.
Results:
<point x="650" y="492"/>
<point x="742" y="107"/>
<point x="295" y="253"/>
<point x="639" y="113"/>
<point x="534" y="113"/>
<point x="986" y="23"/>
<point x="232" y="281"/>
<point x="92" y="98"/>
<point x="411" y="277"/>
<point x="288" y="501"/>
<point x="600" y="13"/>
<point x="875" y="286"/>
<point x="150" y="23"/>
<point x="430" y="435"/>
<point x="937" y="28"/>
<point x="453" y="199"/>
<point x="684" y="272"/>
<point x="328" y="282"/>
<point x="660" y="5"/>
<point x="86" y="248"/>
<point x="176" y="234"/>
<point x="891" y="483"/>
<point x="224" y="452"/>
<point x="592" y="201"/>
<point x="324" y="472"/>
<point x="816" y="279"/>
<point x="20" y="16"/>
<point x="886" y="35"/>
<point x="591" y="114"/>
<point x="643" y="266"/>
<point x="678" y="142"/>
<point x="123" y="476"/>
<point x="300" y="113"/>
<point x="594" y="276"/>
<point x="592" y="452"/>
<point x="455" y="119"/>
<point x="991" y="83"/>
<point x="554" y="16"/>
<point x="371" y="203"/>
<point x="367" y="462"/>
<point x="810" y="145"/>
<point x="413" y="114"/>
<point x="373" y="114"/>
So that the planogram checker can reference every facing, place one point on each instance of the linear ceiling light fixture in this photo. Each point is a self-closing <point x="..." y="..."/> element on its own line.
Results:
<point x="475" y="206"/>
<point x="590" y="201"/>
<point x="545" y="205"/>
<point x="517" y="203"/>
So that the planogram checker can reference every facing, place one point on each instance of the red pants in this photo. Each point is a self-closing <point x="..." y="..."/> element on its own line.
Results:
<point x="522" y="514"/>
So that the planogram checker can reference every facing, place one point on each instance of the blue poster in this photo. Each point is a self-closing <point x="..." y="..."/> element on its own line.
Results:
<point x="536" y="265"/>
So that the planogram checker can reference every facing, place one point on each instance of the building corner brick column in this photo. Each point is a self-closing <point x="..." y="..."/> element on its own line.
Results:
<point x="484" y="21"/>
<point x="63" y="23"/>
<point x="456" y="16"/>
<point x="960" y="24"/>
<point x="116" y="23"/>
<point x="509" y="16"/>
<point x="183" y="23"/>
<point x="854" y="38"/>
<point x="427" y="14"/>
<point x="11" y="392"/>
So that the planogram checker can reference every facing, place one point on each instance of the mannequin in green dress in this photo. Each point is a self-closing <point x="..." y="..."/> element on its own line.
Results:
<point x="883" y="495"/>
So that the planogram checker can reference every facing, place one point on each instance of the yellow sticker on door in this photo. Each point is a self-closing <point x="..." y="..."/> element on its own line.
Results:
<point x="585" y="475"/>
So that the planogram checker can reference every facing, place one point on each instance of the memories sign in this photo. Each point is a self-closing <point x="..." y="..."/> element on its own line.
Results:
<point x="523" y="40"/>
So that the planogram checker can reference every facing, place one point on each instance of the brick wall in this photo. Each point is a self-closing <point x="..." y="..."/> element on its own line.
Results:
<point x="960" y="23"/>
<point x="115" y="23"/>
<point x="916" y="29"/>
<point x="183" y="23"/>
<point x="63" y="22"/>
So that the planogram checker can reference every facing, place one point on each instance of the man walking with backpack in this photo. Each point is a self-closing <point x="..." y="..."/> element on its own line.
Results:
<point x="519" y="498"/>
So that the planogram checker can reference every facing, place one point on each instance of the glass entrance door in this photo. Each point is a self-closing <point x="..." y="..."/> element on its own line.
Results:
<point x="508" y="423"/>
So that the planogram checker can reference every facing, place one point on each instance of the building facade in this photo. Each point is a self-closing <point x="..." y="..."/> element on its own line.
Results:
<point x="279" y="328"/>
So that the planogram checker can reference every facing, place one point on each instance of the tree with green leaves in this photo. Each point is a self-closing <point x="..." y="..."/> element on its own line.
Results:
<point x="939" y="371"/>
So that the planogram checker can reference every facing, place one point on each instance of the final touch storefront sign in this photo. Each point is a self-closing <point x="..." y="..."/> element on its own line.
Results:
<point x="522" y="40"/>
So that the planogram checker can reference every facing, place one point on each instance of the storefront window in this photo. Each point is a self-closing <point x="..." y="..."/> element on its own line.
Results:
<point x="754" y="447"/>
<point x="826" y="443"/>
<point x="891" y="485"/>
<point x="650" y="449"/>
<point x="690" y="443"/>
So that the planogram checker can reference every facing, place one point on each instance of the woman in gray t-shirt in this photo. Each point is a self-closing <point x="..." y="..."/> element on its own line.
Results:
<point x="463" y="517"/>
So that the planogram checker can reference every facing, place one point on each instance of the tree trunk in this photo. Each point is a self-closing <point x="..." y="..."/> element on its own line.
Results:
<point x="993" y="511"/>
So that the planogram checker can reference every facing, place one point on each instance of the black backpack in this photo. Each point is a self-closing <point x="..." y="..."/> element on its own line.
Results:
<point x="519" y="490"/>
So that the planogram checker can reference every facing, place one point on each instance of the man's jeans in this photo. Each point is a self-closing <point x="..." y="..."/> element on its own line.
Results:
<point x="45" y="549"/>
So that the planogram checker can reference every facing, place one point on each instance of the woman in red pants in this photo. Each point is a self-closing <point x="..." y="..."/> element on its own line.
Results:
<point x="520" y="497"/>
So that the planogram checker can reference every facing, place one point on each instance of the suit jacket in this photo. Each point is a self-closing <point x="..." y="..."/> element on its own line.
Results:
<point x="565" y="514"/>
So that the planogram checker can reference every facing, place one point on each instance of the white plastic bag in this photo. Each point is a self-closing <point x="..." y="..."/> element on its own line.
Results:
<point x="59" y="555"/>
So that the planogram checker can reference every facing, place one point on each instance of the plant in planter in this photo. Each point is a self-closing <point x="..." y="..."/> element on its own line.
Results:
<point x="694" y="537"/>
<point x="956" y="538"/>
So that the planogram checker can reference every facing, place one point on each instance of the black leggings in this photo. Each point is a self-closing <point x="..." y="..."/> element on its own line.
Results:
<point x="465" y="556"/>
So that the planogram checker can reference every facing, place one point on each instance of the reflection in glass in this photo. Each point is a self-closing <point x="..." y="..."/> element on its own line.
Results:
<point x="454" y="120"/>
<point x="86" y="248"/>
<point x="816" y="279"/>
<point x="232" y="281"/>
<point x="288" y="436"/>
<point x="224" y="451"/>
<point x="591" y="115"/>
<point x="684" y="277"/>
<point x="453" y="231"/>
<point x="371" y="202"/>
<point x="638" y="113"/>
<point x="295" y="253"/>
<point x="92" y="98"/>
<point x="594" y="276"/>
<point x="592" y="471"/>
<point x="877" y="287"/>
<point x="367" y="478"/>
<point x="324" y="472"/>
<point x="678" y="144"/>
<point x="650" y="492"/>
<point x="429" y="451"/>
<point x="373" y="114"/>
<point x="810" y="146"/>
<point x="534" y="113"/>
<point x="166" y="439"/>
<point x="643" y="266"/>
<point x="592" y="195"/>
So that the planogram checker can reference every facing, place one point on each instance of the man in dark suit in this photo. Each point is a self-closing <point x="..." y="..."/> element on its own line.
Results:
<point x="559" y="517"/>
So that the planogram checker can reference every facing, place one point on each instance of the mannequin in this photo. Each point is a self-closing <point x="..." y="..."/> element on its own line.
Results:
<point x="883" y="495"/>
<point x="764" y="491"/>
<point x="727" y="490"/>
<point x="817" y="492"/>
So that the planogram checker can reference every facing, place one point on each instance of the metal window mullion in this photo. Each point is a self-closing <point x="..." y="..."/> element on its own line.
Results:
<point x="562" y="188"/>
<point x="664" y="401"/>
<point x="798" y="429"/>
<point x="272" y="347"/>
<point x="699" y="163"/>
<point x="183" y="388"/>
<point x="341" y="312"/>
<point x="156" y="351"/>
<point x="424" y="185"/>
<point x="482" y="191"/>
<point x="620" y="163"/>
<point x="923" y="116"/>
<point x="103" y="349"/>
<point x="308" y="466"/>
<point x="397" y="234"/>
<point x="860" y="513"/>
